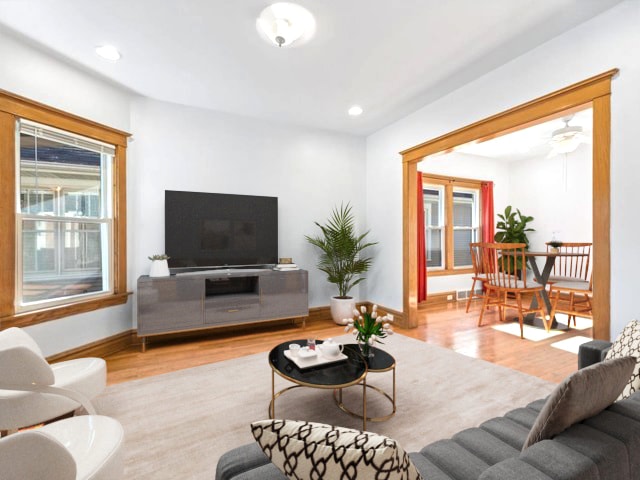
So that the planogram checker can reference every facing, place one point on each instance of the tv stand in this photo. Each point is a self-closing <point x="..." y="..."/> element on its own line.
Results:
<point x="217" y="298"/>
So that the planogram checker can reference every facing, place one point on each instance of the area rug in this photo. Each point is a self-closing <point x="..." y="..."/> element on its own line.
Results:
<point x="178" y="424"/>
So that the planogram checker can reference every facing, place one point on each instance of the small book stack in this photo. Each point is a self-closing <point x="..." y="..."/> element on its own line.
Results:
<point x="285" y="264"/>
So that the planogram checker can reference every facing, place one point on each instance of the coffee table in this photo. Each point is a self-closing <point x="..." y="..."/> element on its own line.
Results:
<point x="381" y="361"/>
<point x="352" y="371"/>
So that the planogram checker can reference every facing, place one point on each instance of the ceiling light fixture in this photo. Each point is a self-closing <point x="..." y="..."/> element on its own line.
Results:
<point x="567" y="138"/>
<point x="108" y="52"/>
<point x="355" y="111"/>
<point x="286" y="23"/>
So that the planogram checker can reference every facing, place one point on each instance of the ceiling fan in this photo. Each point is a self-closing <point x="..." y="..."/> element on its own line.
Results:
<point x="567" y="138"/>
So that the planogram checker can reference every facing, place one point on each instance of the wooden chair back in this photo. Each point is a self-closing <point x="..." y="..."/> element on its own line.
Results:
<point x="575" y="266"/>
<point x="499" y="261"/>
<point x="476" y="258"/>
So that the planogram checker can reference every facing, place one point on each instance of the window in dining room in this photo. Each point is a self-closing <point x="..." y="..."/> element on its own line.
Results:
<point x="452" y="221"/>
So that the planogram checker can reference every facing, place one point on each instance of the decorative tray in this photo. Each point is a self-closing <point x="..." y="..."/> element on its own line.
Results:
<point x="314" y="361"/>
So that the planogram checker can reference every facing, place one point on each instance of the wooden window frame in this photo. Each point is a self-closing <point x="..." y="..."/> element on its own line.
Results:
<point x="12" y="108"/>
<point x="595" y="92"/>
<point x="449" y="183"/>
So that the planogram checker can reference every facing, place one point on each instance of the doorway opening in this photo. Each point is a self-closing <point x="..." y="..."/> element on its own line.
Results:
<point x="592" y="93"/>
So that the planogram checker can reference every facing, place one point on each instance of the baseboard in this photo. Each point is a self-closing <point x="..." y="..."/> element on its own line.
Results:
<point x="438" y="298"/>
<point x="99" y="348"/>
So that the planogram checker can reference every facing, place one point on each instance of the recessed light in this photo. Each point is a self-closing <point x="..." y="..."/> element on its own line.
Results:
<point x="108" y="52"/>
<point x="355" y="110"/>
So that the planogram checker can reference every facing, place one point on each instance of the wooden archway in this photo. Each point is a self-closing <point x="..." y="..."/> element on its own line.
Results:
<point x="595" y="91"/>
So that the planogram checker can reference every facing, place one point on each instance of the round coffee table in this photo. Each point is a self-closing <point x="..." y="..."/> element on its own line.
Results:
<point x="380" y="362"/>
<point x="346" y="373"/>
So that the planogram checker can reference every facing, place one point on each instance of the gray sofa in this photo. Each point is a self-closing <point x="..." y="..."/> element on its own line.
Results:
<point x="605" y="446"/>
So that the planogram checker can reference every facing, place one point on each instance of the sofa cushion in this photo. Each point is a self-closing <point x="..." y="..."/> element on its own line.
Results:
<point x="237" y="462"/>
<point x="307" y="450"/>
<point x="627" y="344"/>
<point x="513" y="469"/>
<point x="560" y="461"/>
<point x="581" y="395"/>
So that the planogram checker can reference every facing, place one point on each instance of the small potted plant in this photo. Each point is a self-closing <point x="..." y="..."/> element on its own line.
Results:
<point x="555" y="245"/>
<point x="159" y="265"/>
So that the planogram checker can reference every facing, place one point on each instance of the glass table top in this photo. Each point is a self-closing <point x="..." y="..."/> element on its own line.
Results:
<point x="334" y="375"/>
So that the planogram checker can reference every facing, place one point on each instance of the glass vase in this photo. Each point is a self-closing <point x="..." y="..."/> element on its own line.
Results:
<point x="365" y="348"/>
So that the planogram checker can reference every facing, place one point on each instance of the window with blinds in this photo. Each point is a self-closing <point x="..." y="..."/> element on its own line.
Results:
<point x="64" y="229"/>
<point x="452" y="222"/>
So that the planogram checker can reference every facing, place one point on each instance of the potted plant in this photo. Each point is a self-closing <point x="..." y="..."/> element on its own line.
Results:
<point x="555" y="245"/>
<point x="513" y="228"/>
<point x="159" y="266"/>
<point x="341" y="258"/>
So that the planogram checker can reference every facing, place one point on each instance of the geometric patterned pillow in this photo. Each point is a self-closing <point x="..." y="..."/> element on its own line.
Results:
<point x="315" y="451"/>
<point x="628" y="345"/>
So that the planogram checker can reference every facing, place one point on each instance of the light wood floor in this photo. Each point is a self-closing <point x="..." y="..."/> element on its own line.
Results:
<point x="445" y="325"/>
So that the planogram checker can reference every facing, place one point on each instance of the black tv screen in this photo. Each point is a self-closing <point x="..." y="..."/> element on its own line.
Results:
<point x="216" y="229"/>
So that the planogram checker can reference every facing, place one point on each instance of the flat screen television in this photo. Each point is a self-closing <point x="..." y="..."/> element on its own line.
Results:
<point x="209" y="230"/>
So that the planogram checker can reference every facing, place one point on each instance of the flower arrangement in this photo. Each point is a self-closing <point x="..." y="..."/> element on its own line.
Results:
<point x="369" y="327"/>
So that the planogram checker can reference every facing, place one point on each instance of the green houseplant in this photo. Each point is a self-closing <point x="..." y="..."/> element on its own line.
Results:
<point x="513" y="228"/>
<point x="341" y="258"/>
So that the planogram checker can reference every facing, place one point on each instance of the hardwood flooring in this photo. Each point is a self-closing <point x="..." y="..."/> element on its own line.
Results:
<point x="446" y="325"/>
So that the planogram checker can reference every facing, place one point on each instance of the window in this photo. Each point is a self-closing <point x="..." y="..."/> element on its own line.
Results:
<point x="64" y="235"/>
<point x="452" y="221"/>
<point x="63" y="217"/>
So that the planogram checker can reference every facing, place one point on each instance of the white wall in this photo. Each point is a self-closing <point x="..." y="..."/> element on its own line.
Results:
<point x="559" y="202"/>
<point x="611" y="40"/>
<point x="184" y="148"/>
<point x="31" y="73"/>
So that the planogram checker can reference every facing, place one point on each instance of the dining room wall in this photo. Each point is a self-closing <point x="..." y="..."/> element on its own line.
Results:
<point x="557" y="192"/>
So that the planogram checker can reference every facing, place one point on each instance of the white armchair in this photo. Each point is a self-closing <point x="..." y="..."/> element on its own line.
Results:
<point x="33" y="391"/>
<point x="88" y="447"/>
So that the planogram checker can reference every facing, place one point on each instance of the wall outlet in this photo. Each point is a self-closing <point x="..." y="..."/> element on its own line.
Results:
<point x="449" y="297"/>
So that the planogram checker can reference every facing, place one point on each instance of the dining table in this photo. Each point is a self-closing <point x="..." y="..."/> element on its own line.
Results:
<point x="542" y="278"/>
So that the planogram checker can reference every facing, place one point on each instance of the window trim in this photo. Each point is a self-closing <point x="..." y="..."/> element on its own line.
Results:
<point x="449" y="183"/>
<point x="12" y="108"/>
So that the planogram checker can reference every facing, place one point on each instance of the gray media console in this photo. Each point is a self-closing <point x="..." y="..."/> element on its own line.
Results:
<point x="216" y="298"/>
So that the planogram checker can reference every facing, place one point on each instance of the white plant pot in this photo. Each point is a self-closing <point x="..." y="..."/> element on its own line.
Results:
<point x="159" y="268"/>
<point x="342" y="308"/>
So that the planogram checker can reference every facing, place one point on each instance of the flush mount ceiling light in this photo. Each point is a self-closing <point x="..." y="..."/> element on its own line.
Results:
<point x="355" y="110"/>
<point x="286" y="23"/>
<point x="567" y="138"/>
<point x="108" y="52"/>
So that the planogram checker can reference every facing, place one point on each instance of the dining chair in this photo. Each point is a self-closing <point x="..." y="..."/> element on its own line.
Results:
<point x="573" y="298"/>
<point x="574" y="266"/>
<point x="501" y="262"/>
<point x="32" y="391"/>
<point x="478" y="275"/>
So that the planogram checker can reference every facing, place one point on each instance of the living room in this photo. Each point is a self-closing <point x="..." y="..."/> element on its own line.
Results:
<point x="310" y="168"/>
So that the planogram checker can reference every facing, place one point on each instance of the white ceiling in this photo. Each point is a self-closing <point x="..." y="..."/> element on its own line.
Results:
<point x="390" y="56"/>
<point x="528" y="143"/>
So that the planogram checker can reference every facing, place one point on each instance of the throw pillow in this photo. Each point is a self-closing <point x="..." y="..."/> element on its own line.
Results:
<point x="583" y="394"/>
<point x="627" y="344"/>
<point x="314" y="451"/>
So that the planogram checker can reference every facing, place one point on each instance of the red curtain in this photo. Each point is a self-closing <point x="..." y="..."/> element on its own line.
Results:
<point x="486" y="200"/>
<point x="422" y="259"/>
